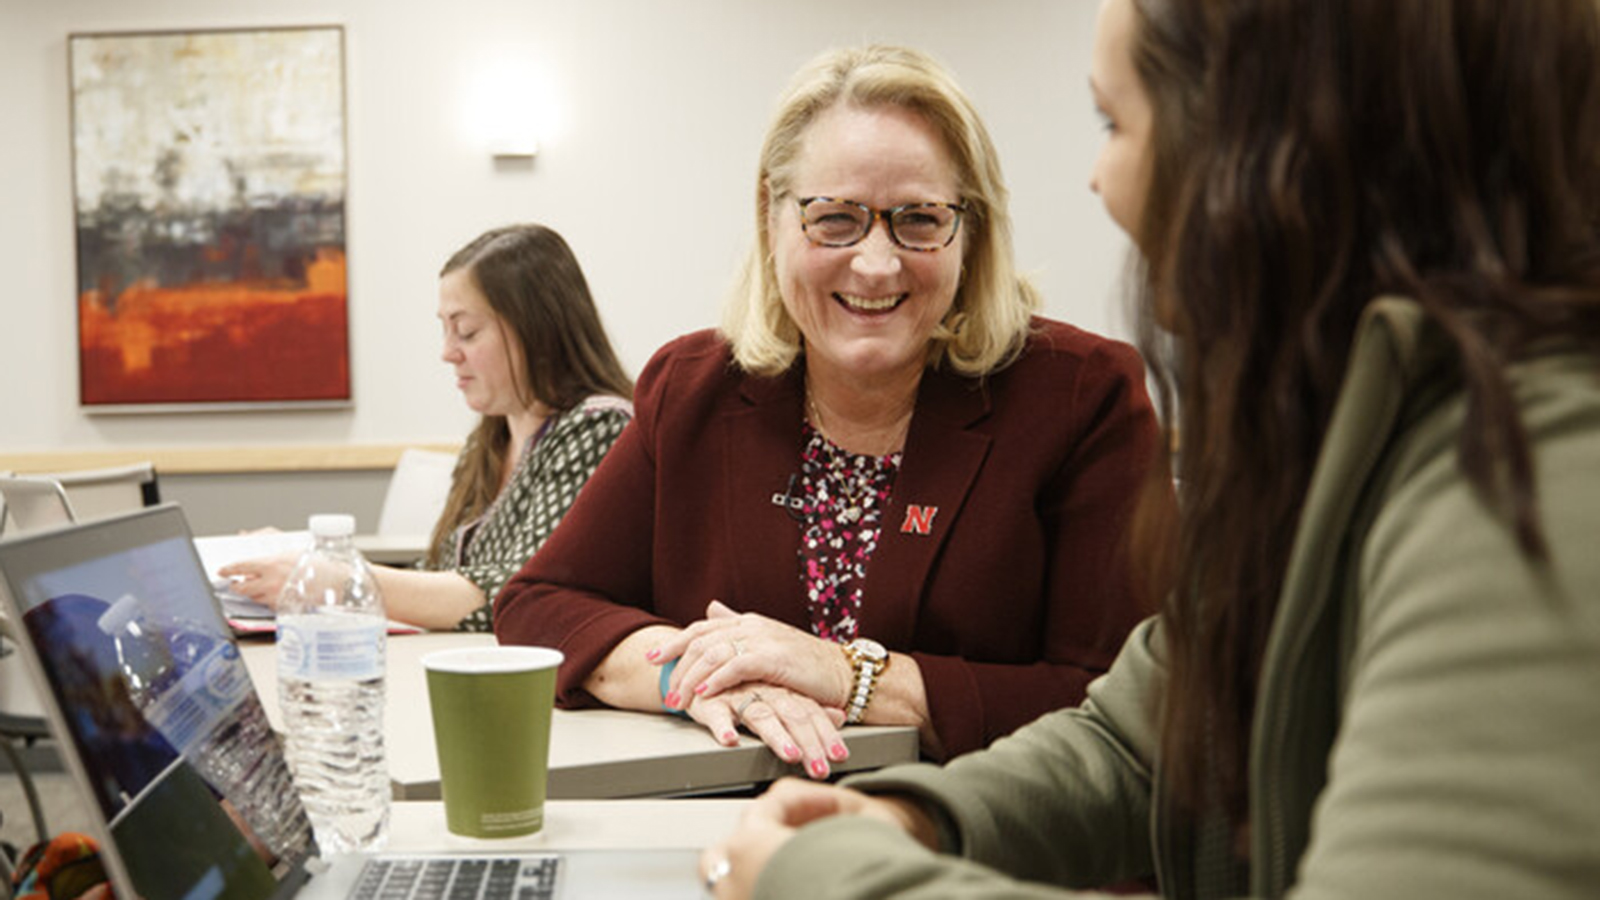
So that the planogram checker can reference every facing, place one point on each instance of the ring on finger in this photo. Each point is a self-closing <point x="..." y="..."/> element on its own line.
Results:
<point x="738" y="711"/>
<point x="717" y="873"/>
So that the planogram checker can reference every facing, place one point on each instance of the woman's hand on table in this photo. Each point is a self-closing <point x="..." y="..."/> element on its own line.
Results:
<point x="731" y="867"/>
<point x="261" y="579"/>
<point x="792" y="725"/>
<point x="727" y="649"/>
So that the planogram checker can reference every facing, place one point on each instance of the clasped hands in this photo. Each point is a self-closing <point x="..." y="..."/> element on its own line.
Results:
<point x="785" y="686"/>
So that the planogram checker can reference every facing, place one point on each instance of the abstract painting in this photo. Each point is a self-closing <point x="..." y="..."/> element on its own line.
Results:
<point x="209" y="184"/>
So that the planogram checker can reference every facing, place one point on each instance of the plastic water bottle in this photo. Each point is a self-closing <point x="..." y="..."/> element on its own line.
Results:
<point x="189" y="683"/>
<point x="331" y="633"/>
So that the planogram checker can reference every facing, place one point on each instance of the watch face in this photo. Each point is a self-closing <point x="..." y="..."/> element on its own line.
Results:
<point x="869" y="649"/>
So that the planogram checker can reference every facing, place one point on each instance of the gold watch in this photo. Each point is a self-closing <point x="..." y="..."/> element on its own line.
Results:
<point x="869" y="658"/>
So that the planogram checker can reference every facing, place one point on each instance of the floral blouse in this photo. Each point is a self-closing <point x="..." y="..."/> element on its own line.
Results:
<point x="553" y="467"/>
<point x="842" y="495"/>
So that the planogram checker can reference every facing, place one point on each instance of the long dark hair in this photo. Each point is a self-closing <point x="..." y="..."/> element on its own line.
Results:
<point x="1444" y="150"/>
<point x="537" y="291"/>
<point x="1168" y="50"/>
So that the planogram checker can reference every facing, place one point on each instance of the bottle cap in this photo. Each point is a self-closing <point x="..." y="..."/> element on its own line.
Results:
<point x="333" y="525"/>
<point x="118" y="614"/>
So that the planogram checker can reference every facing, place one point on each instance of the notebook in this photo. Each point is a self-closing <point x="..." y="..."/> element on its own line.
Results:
<point x="244" y="615"/>
<point x="167" y="830"/>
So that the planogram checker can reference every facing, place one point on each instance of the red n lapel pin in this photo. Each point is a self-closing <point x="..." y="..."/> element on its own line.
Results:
<point x="919" y="519"/>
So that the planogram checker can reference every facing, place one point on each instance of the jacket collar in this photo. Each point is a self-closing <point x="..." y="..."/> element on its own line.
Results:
<point x="942" y="458"/>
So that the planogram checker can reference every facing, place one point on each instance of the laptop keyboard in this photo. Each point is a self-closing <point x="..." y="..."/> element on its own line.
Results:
<point x="458" y="878"/>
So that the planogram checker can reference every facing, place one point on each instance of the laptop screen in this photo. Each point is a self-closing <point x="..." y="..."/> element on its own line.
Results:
<point x="170" y="736"/>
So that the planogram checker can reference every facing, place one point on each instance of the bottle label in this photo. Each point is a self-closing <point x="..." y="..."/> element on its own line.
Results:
<point x="195" y="704"/>
<point x="331" y="648"/>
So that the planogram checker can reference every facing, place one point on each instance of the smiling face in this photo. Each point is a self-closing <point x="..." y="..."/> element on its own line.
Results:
<point x="1121" y="173"/>
<point x="486" y="356"/>
<point x="866" y="311"/>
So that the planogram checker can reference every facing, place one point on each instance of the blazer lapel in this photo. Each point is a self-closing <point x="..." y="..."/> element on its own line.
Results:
<point x="760" y="440"/>
<point x="942" y="459"/>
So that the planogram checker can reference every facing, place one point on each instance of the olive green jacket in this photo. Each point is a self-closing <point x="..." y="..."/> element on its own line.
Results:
<point x="1429" y="714"/>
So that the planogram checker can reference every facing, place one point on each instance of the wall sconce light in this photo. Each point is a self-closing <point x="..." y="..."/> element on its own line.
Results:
<point x="509" y="107"/>
<point x="524" y="147"/>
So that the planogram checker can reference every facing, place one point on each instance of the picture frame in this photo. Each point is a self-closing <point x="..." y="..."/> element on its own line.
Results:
<point x="209" y="182"/>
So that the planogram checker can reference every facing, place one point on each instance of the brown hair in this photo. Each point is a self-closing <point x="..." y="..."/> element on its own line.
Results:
<point x="1168" y="53"/>
<point x="537" y="291"/>
<point x="1444" y="150"/>
<point x="1169" y="58"/>
<point x="990" y="319"/>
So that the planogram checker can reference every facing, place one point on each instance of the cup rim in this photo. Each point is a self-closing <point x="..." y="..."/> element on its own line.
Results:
<point x="497" y="659"/>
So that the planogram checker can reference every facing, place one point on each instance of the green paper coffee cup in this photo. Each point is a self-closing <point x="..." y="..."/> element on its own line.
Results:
<point x="491" y="726"/>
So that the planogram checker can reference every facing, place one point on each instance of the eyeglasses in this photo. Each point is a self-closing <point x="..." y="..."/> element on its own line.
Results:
<point x="923" y="227"/>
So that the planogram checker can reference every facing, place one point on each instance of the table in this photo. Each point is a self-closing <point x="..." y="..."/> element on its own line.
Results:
<point x="578" y="825"/>
<point x="594" y="753"/>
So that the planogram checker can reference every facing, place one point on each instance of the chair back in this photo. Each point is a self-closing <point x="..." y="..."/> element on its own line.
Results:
<point x="33" y="503"/>
<point x="417" y="493"/>
<point x="98" y="493"/>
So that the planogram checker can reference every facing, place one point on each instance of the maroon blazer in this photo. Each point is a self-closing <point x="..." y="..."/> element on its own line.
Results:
<point x="1017" y="596"/>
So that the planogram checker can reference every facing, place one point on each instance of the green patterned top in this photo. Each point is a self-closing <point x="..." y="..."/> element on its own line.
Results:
<point x="553" y="467"/>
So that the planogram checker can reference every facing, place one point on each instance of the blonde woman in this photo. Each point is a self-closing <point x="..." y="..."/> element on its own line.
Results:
<point x="884" y="492"/>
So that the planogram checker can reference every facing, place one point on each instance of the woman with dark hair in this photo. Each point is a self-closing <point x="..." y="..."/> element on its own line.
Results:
<point x="1375" y="672"/>
<point x="531" y="356"/>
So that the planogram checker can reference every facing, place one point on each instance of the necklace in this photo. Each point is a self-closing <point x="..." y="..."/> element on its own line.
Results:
<point x="895" y="439"/>
<point x="850" y="477"/>
<point x="846" y="481"/>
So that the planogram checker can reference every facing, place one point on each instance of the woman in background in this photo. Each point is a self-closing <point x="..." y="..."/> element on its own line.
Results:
<point x="530" y="355"/>
<point x="1375" y="673"/>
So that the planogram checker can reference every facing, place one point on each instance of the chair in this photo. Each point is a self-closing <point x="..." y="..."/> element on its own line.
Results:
<point x="32" y="503"/>
<point x="97" y="493"/>
<point x="417" y="492"/>
<point x="21" y="721"/>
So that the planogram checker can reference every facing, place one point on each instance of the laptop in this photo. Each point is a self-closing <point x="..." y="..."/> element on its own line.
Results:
<point x="168" y="830"/>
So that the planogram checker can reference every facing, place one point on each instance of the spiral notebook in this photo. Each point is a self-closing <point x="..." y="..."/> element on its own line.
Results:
<point x="167" y="830"/>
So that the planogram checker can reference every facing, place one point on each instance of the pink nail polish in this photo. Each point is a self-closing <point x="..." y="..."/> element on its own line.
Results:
<point x="791" y="753"/>
<point x="671" y="699"/>
<point x="700" y="688"/>
<point x="819" y="768"/>
<point x="652" y="655"/>
<point x="730" y="737"/>
<point x="838" y="751"/>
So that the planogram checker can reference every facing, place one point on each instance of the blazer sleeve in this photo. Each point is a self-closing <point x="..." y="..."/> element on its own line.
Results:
<point x="591" y="583"/>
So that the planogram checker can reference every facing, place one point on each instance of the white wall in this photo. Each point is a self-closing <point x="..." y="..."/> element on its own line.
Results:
<point x="663" y="105"/>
